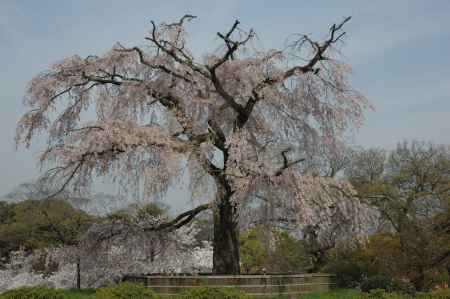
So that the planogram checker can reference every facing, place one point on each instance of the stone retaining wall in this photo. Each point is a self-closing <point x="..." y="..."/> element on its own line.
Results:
<point x="256" y="285"/>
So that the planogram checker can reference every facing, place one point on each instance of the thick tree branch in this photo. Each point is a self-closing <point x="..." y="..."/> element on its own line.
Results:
<point x="120" y="228"/>
<point x="180" y="56"/>
<point x="320" y="49"/>
<point x="232" y="46"/>
<point x="247" y="110"/>
<point x="227" y="36"/>
<point x="225" y="95"/>
<point x="180" y="220"/>
<point x="161" y="67"/>
<point x="286" y="163"/>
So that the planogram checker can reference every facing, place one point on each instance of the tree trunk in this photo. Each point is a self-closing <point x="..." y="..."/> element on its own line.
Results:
<point x="78" y="274"/>
<point x="226" y="235"/>
<point x="419" y="281"/>
<point x="226" y="231"/>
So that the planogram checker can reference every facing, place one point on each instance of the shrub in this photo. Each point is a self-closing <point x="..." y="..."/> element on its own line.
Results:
<point x="439" y="294"/>
<point x="346" y="264"/>
<point x="213" y="293"/>
<point x="125" y="290"/>
<point x="377" y="282"/>
<point x="382" y="294"/>
<point x="403" y="286"/>
<point x="39" y="292"/>
<point x="348" y="274"/>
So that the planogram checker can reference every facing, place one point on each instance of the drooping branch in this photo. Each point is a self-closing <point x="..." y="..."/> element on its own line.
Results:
<point x="76" y="166"/>
<point x="86" y="148"/>
<point x="67" y="181"/>
<point x="167" y="99"/>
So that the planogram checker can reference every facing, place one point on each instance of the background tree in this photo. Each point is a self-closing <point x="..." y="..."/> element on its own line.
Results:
<point x="242" y="118"/>
<point x="283" y="254"/>
<point x="410" y="189"/>
<point x="34" y="190"/>
<point x="36" y="224"/>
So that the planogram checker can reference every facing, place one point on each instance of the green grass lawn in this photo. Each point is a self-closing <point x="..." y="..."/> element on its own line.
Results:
<point x="335" y="294"/>
<point x="79" y="294"/>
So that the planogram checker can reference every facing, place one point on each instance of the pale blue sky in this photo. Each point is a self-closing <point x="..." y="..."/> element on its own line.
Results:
<point x="399" y="51"/>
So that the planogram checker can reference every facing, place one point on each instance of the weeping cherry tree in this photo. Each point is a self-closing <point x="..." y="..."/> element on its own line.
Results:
<point x="241" y="119"/>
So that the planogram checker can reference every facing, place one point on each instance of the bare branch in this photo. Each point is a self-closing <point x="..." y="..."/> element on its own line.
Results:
<point x="320" y="48"/>
<point x="161" y="67"/>
<point x="186" y="17"/>
<point x="174" y="51"/>
<point x="232" y="45"/>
